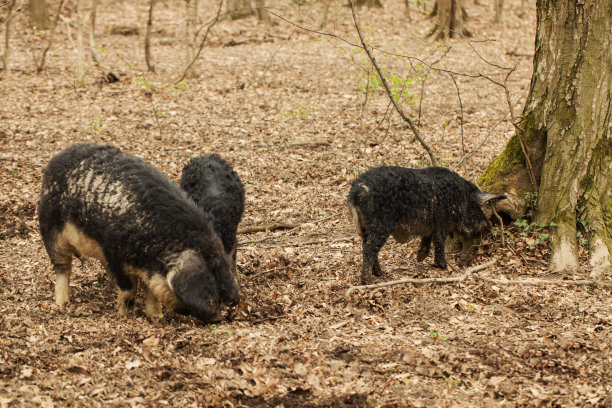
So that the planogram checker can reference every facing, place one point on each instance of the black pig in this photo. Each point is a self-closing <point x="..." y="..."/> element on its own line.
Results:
<point x="100" y="203"/>
<point x="402" y="202"/>
<point x="216" y="188"/>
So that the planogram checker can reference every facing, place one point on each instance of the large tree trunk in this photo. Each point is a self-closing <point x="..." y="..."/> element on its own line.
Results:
<point x="566" y="128"/>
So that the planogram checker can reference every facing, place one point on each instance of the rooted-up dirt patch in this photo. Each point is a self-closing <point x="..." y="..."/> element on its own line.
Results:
<point x="284" y="107"/>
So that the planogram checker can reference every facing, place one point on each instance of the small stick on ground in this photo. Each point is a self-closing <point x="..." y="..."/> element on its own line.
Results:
<point x="266" y="227"/>
<point x="291" y="228"/>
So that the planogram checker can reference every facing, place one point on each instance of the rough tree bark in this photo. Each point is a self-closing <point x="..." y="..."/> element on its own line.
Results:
<point x="565" y="127"/>
<point x="450" y="15"/>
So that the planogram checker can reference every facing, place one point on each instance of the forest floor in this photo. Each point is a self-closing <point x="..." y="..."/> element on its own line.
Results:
<point x="285" y="107"/>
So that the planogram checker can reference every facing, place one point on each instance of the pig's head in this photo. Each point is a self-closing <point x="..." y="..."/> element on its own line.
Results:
<point x="200" y="285"/>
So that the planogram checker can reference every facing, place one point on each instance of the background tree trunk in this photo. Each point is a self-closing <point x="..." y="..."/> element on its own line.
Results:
<point x="566" y="127"/>
<point x="239" y="9"/>
<point x="369" y="3"/>
<point x="498" y="5"/>
<point x="39" y="14"/>
<point x="450" y="15"/>
<point x="147" y="44"/>
<point x="7" y="35"/>
<point x="191" y="19"/>
<point x="262" y="14"/>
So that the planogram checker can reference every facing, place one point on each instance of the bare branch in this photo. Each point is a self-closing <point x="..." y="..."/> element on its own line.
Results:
<point x="470" y="272"/>
<point x="9" y="14"/>
<point x="147" y="45"/>
<point x="41" y="65"/>
<point x="398" y="108"/>
<point x="484" y="140"/>
<point x="195" y="58"/>
<point x="288" y="231"/>
<point x="501" y="223"/>
<point x="461" y="106"/>
<point x="92" y="32"/>
<point x="265" y="227"/>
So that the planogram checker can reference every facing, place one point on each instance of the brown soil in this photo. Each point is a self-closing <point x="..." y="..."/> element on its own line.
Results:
<point x="283" y="105"/>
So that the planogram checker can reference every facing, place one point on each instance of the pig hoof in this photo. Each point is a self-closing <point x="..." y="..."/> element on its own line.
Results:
<point x="366" y="280"/>
<point x="440" y="265"/>
<point x="377" y="271"/>
<point x="421" y="256"/>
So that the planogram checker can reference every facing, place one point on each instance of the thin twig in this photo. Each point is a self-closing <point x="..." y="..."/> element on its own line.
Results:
<point x="501" y="223"/>
<point x="289" y="230"/>
<point x="265" y="227"/>
<point x="484" y="140"/>
<point x="461" y="106"/>
<point x="147" y="44"/>
<point x="195" y="58"/>
<point x="398" y="108"/>
<point x="92" y="33"/>
<point x="40" y="66"/>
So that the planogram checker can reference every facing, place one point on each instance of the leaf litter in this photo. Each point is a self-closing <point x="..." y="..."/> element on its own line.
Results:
<point x="284" y="107"/>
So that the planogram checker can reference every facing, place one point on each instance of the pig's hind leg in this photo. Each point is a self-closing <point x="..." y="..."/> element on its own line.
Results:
<point x="60" y="253"/>
<point x="373" y="241"/>
<point x="424" y="248"/>
<point x="439" y="254"/>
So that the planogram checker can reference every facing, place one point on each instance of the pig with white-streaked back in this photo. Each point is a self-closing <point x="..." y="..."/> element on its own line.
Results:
<point x="100" y="203"/>
<point x="403" y="202"/>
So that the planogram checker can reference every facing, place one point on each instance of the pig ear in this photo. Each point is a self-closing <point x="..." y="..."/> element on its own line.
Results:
<point x="194" y="285"/>
<point x="483" y="197"/>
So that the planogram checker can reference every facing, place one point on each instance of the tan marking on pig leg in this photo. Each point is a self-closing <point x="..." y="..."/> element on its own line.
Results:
<point x="158" y="290"/>
<point x="62" y="287"/>
<point x="354" y="212"/>
<point x="153" y="307"/>
<point x="84" y="245"/>
<point x="71" y="240"/>
<point x="162" y="289"/>
<point x="125" y="300"/>
<point x="62" y="264"/>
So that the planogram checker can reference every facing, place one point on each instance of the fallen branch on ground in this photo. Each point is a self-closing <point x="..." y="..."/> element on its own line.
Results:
<point x="469" y="273"/>
<point x="535" y="281"/>
<point x="291" y="227"/>
<point x="266" y="227"/>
